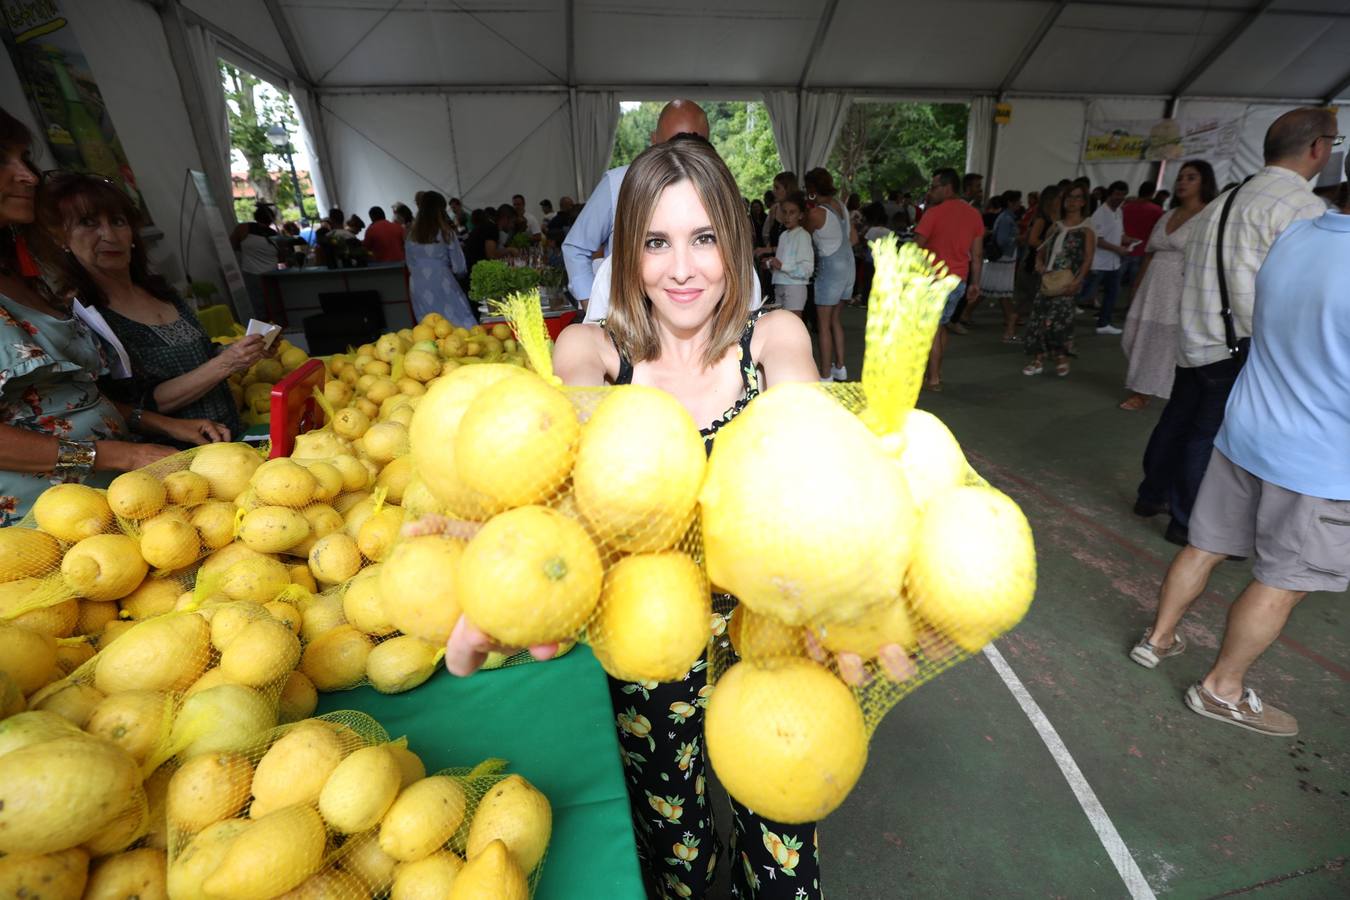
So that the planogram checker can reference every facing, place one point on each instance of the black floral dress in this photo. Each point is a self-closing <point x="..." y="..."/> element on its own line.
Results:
<point x="1050" y="325"/>
<point x="661" y="745"/>
<point x="160" y="353"/>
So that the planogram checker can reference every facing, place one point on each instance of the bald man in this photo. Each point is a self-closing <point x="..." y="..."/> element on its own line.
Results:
<point x="592" y="229"/>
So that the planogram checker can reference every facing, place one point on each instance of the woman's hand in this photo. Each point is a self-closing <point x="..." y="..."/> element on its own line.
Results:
<point x="124" y="456"/>
<point x="775" y="263"/>
<point x="1040" y="267"/>
<point x="196" y="431"/>
<point x="469" y="647"/>
<point x="242" y="354"/>
<point x="894" y="661"/>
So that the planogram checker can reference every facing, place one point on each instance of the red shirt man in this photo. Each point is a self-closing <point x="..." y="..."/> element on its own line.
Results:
<point x="1139" y="216"/>
<point x="384" y="239"/>
<point x="952" y="230"/>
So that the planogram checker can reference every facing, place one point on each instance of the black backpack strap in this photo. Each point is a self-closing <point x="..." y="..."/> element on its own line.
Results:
<point x="1225" y="310"/>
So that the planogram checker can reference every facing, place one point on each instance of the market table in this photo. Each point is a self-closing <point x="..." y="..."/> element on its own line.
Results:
<point x="553" y="723"/>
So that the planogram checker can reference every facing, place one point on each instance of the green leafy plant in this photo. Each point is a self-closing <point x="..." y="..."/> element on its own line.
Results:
<point x="492" y="279"/>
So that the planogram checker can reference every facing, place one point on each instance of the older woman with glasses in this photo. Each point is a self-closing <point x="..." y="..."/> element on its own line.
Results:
<point x="175" y="368"/>
<point x="55" y="424"/>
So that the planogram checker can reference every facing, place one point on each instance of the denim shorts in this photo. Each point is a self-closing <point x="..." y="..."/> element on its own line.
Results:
<point x="952" y="299"/>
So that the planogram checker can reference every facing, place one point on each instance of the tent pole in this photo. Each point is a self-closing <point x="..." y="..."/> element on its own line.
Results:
<point x="194" y="92"/>
<point x="576" y="134"/>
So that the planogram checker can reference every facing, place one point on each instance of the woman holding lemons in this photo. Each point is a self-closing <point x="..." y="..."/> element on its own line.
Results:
<point x="680" y="321"/>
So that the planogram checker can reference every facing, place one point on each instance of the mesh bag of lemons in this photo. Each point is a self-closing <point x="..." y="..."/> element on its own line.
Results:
<point x="322" y="808"/>
<point x="595" y="511"/>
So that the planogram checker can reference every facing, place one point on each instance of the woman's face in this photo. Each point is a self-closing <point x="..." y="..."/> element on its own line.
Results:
<point x="18" y="185"/>
<point x="1187" y="184"/>
<point x="100" y="242"/>
<point x="683" y="273"/>
<point x="756" y="208"/>
<point x="1075" y="200"/>
<point x="791" y="215"/>
<point x="779" y="191"/>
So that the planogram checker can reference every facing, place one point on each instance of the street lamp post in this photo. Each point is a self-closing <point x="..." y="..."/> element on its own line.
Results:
<point x="280" y="138"/>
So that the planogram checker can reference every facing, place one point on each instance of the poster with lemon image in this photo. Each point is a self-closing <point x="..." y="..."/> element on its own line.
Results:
<point x="1153" y="140"/>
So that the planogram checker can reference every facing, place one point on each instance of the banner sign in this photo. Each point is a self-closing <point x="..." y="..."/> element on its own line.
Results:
<point x="1152" y="140"/>
<point x="63" y="95"/>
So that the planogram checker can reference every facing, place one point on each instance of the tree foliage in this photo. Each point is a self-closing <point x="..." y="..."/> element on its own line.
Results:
<point x="889" y="146"/>
<point x="881" y="146"/>
<point x="252" y="106"/>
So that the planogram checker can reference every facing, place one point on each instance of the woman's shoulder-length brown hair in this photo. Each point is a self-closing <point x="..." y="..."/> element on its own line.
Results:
<point x="630" y="321"/>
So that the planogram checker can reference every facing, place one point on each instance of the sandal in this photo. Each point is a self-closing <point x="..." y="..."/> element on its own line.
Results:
<point x="1033" y="369"/>
<point x="1062" y="369"/>
<point x="934" y="386"/>
<point x="1134" y="403"/>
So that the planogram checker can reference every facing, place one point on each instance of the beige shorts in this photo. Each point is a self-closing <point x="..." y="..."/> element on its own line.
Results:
<point x="790" y="296"/>
<point x="1300" y="543"/>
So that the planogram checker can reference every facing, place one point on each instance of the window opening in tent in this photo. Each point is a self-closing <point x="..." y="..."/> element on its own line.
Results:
<point x="268" y="162"/>
<point x="739" y="129"/>
<point x="895" y="146"/>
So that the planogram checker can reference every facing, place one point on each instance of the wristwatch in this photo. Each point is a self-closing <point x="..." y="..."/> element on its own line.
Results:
<point x="75" y="459"/>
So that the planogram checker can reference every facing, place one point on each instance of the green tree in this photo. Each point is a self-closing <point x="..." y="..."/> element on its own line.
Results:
<point x="251" y="110"/>
<point x="740" y="131"/>
<point x="887" y="146"/>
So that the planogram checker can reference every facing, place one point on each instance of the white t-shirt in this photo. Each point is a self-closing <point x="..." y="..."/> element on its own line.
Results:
<point x="1109" y="225"/>
<point x="532" y="222"/>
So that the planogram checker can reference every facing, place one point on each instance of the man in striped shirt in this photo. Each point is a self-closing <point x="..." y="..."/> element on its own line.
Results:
<point x="1297" y="147"/>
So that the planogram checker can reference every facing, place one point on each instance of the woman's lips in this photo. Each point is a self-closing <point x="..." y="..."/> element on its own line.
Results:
<point x="684" y="296"/>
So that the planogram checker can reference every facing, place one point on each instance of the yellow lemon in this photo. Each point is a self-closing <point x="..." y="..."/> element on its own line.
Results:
<point x="776" y="540"/>
<point x="336" y="659"/>
<point x="530" y="576"/>
<point x="516" y="813"/>
<point x="654" y="617"/>
<point x="136" y="495"/>
<point x="72" y="512"/>
<point x="785" y="738"/>
<point x="334" y="559"/>
<point x="517" y="441"/>
<point x="284" y="482"/>
<point x="418" y="589"/>
<point x="640" y="464"/>
<point x="227" y="467"/>
<point x="104" y="567"/>
<point x="974" y="569"/>
<point x="26" y="552"/>
<point x="186" y="488"/>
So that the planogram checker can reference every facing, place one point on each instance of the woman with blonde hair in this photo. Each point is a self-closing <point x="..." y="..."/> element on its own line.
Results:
<point x="679" y="320"/>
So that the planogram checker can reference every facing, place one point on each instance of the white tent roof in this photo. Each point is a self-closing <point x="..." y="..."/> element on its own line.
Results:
<point x="1253" y="49"/>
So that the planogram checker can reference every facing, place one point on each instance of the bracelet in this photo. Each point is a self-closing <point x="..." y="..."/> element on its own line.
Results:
<point x="134" y="420"/>
<point x="75" y="459"/>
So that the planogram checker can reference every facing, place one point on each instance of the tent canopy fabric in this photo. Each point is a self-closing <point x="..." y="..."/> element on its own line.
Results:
<point x="482" y="99"/>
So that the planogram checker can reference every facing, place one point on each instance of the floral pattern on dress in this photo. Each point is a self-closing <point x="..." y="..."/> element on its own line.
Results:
<point x="49" y="369"/>
<point x="1050" y="323"/>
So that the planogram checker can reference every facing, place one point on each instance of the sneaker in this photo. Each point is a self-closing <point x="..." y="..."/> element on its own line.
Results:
<point x="839" y="373"/>
<point x="827" y="381"/>
<point x="1249" y="712"/>
<point x="1148" y="656"/>
<point x="1108" y="329"/>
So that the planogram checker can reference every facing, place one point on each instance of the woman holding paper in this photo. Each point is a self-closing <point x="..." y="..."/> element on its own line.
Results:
<point x="167" y="362"/>
<point x="55" y="424"/>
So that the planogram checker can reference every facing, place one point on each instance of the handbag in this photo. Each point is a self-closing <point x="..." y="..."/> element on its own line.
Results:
<point x="1057" y="281"/>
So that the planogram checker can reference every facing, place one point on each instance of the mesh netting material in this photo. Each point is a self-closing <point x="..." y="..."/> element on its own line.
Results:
<point x="327" y="807"/>
<point x="592" y="512"/>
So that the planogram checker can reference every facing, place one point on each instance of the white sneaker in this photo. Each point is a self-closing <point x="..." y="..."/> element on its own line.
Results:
<point x="827" y="381"/>
<point x="839" y="373"/>
<point x="1109" y="329"/>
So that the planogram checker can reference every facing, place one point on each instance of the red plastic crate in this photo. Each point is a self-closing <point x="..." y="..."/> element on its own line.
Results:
<point x="294" y="409"/>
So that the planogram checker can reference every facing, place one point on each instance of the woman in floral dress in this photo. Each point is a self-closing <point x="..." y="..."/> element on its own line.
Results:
<point x="681" y="291"/>
<point x="55" y="425"/>
<point x="1068" y="246"/>
<point x="1151" y="328"/>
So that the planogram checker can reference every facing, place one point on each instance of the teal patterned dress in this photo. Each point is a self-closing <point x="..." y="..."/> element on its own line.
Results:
<point x="49" y="371"/>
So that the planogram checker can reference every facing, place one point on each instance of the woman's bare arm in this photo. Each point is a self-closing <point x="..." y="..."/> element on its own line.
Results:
<point x="782" y="347"/>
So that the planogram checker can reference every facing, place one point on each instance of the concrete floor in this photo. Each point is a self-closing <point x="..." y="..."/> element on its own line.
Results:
<point x="961" y="797"/>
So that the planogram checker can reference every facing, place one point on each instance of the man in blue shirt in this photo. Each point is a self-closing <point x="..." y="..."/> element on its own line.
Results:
<point x="592" y="229"/>
<point x="1278" y="482"/>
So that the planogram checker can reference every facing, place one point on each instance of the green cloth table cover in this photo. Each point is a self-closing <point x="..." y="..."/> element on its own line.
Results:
<point x="553" y="723"/>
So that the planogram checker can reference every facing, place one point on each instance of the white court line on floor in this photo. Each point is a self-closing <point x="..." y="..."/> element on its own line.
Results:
<point x="1115" y="847"/>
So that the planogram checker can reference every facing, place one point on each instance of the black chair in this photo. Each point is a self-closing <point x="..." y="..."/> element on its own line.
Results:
<point x="349" y="319"/>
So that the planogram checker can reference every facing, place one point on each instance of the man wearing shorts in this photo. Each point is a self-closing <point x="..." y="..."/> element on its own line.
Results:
<point x="953" y="231"/>
<point x="1278" y="483"/>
